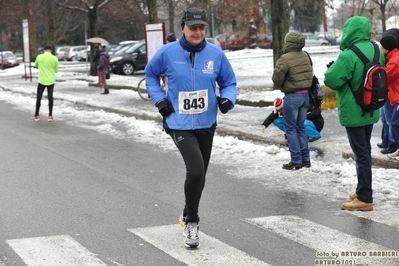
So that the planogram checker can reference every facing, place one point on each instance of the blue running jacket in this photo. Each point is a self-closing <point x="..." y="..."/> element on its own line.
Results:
<point x="191" y="88"/>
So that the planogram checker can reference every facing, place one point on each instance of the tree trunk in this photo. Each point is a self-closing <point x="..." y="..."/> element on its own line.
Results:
<point x="323" y="14"/>
<point x="279" y="27"/>
<point x="171" y="11"/>
<point x="152" y="11"/>
<point x="51" y="24"/>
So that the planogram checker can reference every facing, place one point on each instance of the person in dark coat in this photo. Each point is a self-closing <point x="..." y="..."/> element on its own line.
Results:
<point x="103" y="68"/>
<point x="96" y="55"/>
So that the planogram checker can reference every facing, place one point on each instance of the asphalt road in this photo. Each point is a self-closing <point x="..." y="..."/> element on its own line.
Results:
<point x="71" y="196"/>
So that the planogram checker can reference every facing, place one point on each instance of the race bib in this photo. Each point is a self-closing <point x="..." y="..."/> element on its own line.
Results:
<point x="193" y="102"/>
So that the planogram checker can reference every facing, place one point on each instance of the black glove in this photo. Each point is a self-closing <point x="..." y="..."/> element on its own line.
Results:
<point x="165" y="108"/>
<point x="224" y="104"/>
<point x="329" y="64"/>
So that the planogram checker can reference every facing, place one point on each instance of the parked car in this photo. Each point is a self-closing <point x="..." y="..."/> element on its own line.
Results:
<point x="61" y="52"/>
<point x="122" y="45"/>
<point x="129" y="61"/>
<point x="4" y="63"/>
<point x="265" y="41"/>
<point x="75" y="53"/>
<point x="11" y="58"/>
<point x="312" y="40"/>
<point x="241" y="40"/>
<point x="328" y="36"/>
<point x="221" y="39"/>
<point x="210" y="39"/>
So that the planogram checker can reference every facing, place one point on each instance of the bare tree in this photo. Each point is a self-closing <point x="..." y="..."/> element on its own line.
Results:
<point x="90" y="8"/>
<point x="383" y="5"/>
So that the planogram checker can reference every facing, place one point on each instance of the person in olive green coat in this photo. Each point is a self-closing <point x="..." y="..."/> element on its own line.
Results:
<point x="47" y="63"/>
<point x="293" y="75"/>
<point x="349" y="68"/>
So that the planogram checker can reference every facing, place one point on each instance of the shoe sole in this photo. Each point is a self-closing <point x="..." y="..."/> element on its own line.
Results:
<point x="358" y="209"/>
<point x="296" y="167"/>
<point x="191" y="246"/>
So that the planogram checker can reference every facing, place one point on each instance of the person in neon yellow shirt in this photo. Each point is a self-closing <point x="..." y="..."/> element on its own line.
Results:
<point x="47" y="63"/>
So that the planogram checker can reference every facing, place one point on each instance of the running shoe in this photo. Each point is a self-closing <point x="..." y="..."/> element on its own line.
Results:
<point x="50" y="118"/>
<point x="36" y="118"/>
<point x="191" y="231"/>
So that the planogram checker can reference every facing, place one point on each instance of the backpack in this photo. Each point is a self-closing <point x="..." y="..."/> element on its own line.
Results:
<point x="315" y="92"/>
<point x="373" y="92"/>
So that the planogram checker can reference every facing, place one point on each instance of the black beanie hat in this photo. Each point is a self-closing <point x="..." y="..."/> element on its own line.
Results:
<point x="47" y="47"/>
<point x="389" y="42"/>
<point x="394" y="32"/>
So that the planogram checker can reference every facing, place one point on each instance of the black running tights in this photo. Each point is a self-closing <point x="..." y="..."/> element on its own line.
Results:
<point x="40" y="90"/>
<point x="195" y="147"/>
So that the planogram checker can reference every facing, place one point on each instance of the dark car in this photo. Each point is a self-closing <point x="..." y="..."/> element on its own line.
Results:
<point x="131" y="60"/>
<point x="241" y="40"/>
<point x="328" y="36"/>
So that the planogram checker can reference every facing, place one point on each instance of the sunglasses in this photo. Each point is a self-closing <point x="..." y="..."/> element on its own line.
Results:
<point x="196" y="27"/>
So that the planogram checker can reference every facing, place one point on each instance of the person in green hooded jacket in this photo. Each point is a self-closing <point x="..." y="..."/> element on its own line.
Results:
<point x="348" y="69"/>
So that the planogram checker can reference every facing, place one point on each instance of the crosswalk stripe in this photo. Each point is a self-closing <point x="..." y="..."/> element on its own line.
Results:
<point x="53" y="250"/>
<point x="169" y="239"/>
<point x="382" y="216"/>
<point x="326" y="240"/>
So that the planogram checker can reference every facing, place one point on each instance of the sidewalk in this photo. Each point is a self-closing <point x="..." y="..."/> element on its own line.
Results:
<point x="243" y="122"/>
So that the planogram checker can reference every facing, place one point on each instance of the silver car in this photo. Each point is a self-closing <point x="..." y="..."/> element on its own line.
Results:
<point x="61" y="52"/>
<point x="313" y="40"/>
<point x="75" y="53"/>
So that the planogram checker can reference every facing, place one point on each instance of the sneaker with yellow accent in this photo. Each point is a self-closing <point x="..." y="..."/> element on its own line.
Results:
<point x="191" y="230"/>
<point x="357" y="205"/>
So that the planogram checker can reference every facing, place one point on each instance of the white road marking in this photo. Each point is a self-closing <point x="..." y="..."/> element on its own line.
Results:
<point x="53" y="250"/>
<point x="169" y="239"/>
<point x="382" y="216"/>
<point x="326" y="240"/>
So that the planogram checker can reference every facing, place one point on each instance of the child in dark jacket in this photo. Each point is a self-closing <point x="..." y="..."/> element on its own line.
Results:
<point x="314" y="121"/>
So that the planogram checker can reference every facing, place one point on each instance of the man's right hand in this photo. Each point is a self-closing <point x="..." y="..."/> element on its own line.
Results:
<point x="165" y="108"/>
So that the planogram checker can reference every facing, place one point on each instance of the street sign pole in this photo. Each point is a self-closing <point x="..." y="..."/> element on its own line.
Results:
<point x="1" y="49"/>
